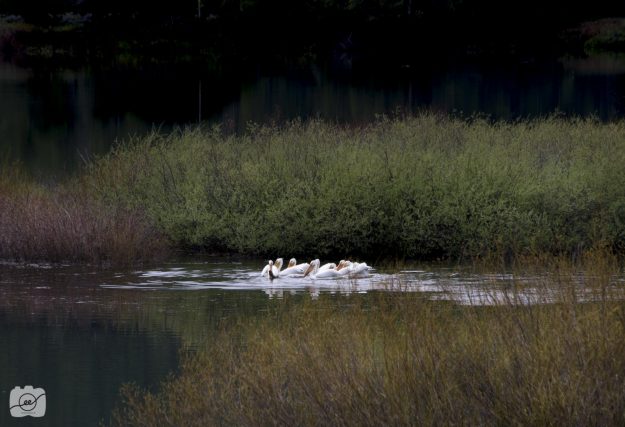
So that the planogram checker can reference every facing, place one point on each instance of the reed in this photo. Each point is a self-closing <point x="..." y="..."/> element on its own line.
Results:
<point x="64" y="223"/>
<point x="398" y="358"/>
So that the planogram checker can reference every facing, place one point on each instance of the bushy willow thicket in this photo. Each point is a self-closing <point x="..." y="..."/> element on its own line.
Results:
<point x="425" y="187"/>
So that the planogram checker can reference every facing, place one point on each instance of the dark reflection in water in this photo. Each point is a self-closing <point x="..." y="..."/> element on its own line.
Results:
<point x="80" y="367"/>
<point x="69" y="343"/>
<point x="64" y="330"/>
<point x="50" y="118"/>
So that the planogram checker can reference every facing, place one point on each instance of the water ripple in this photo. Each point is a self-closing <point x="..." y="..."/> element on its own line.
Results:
<point x="439" y="283"/>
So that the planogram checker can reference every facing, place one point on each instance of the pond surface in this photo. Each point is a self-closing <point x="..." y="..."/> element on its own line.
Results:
<point x="80" y="333"/>
<point x="51" y="119"/>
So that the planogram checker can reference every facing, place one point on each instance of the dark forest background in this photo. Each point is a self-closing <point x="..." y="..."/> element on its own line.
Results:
<point x="399" y="31"/>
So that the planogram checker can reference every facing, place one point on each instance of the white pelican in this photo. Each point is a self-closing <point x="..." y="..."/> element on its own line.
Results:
<point x="313" y="268"/>
<point x="272" y="270"/>
<point x="327" y="266"/>
<point x="344" y="268"/>
<point x="295" y="269"/>
<point x="359" y="268"/>
<point x="342" y="264"/>
<point x="316" y="272"/>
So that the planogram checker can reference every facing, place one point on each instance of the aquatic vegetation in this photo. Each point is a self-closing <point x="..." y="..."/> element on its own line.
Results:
<point x="400" y="358"/>
<point x="428" y="186"/>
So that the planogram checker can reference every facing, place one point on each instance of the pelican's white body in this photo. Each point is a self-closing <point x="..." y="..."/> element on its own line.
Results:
<point x="295" y="269"/>
<point x="315" y="271"/>
<point x="275" y="268"/>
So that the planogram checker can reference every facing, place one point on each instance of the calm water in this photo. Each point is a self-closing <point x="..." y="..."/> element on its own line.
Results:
<point x="49" y="119"/>
<point x="81" y="333"/>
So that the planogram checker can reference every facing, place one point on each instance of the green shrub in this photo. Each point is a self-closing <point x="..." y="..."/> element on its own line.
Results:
<point x="427" y="186"/>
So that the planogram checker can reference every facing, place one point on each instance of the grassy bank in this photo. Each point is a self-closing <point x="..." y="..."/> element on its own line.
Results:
<point x="400" y="359"/>
<point x="425" y="187"/>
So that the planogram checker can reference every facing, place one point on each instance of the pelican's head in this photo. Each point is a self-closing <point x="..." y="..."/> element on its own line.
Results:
<point x="341" y="265"/>
<point x="312" y="268"/>
<point x="292" y="263"/>
<point x="278" y="263"/>
<point x="270" y="263"/>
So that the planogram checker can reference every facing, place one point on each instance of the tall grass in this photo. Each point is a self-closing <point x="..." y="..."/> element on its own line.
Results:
<point x="398" y="358"/>
<point x="427" y="186"/>
<point x="64" y="223"/>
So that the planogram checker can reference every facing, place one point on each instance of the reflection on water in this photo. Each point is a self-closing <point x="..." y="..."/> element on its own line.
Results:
<point x="80" y="333"/>
<point x="51" y="118"/>
<point x="61" y="335"/>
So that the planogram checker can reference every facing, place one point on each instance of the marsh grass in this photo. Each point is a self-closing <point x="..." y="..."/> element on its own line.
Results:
<point x="419" y="187"/>
<point x="64" y="223"/>
<point x="397" y="358"/>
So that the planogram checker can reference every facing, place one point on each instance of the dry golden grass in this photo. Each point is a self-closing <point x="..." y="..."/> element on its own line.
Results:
<point x="65" y="223"/>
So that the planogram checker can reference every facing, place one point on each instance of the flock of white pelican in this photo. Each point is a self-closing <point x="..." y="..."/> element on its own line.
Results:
<point x="314" y="269"/>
